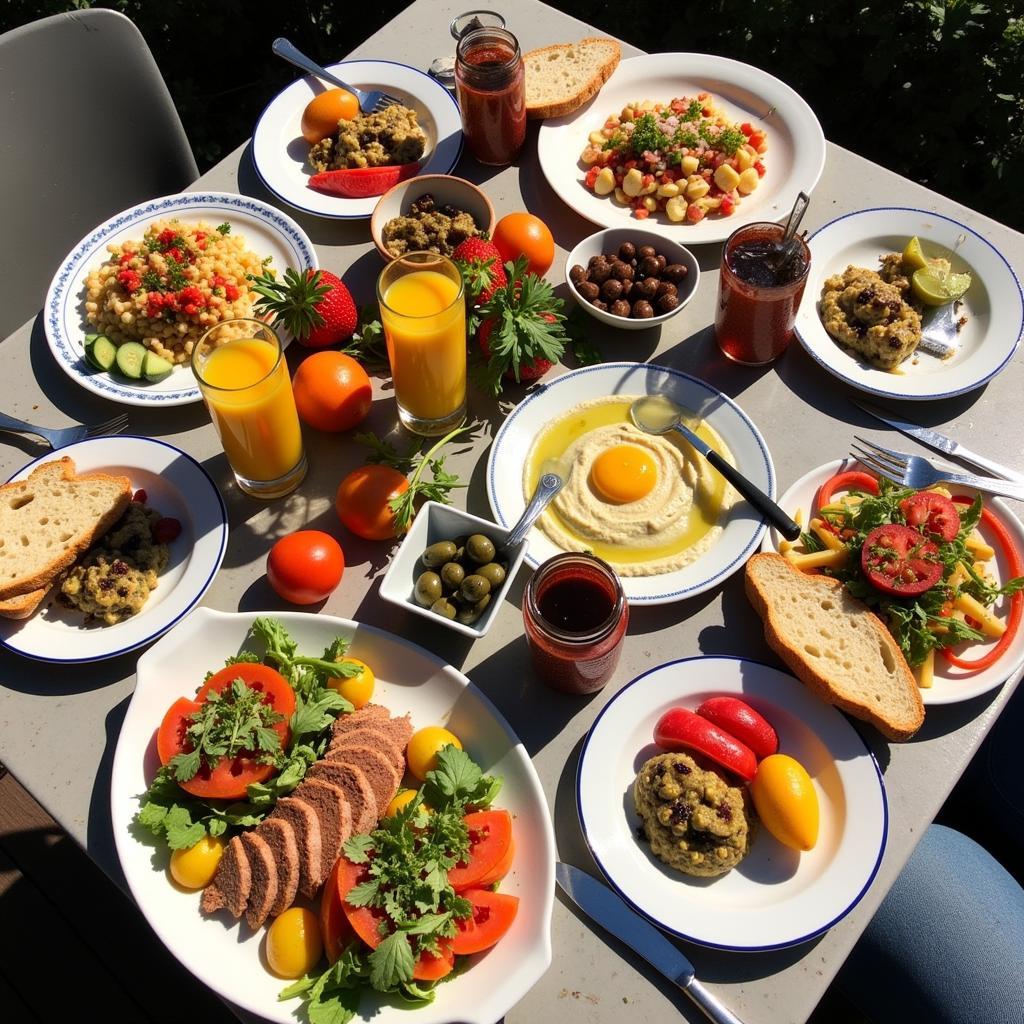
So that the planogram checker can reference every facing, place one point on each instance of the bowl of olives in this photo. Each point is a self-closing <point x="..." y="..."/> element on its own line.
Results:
<point x="631" y="278"/>
<point x="451" y="567"/>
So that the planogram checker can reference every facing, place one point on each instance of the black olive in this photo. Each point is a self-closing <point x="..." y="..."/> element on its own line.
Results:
<point x="620" y="307"/>
<point x="424" y="204"/>
<point x="649" y="266"/>
<point x="611" y="289"/>
<point x="666" y="288"/>
<point x="674" y="272"/>
<point x="668" y="302"/>
<point x="642" y="310"/>
<point x="588" y="290"/>
<point x="627" y="251"/>
<point x="428" y="589"/>
<point x="646" y="250"/>
<point x="577" y="274"/>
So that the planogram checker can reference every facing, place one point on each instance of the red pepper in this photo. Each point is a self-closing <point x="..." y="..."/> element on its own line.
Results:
<point x="362" y="182"/>
<point x="850" y="480"/>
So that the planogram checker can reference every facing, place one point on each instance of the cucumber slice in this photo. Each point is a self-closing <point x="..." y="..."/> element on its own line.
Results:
<point x="130" y="357"/>
<point x="101" y="352"/>
<point x="155" y="368"/>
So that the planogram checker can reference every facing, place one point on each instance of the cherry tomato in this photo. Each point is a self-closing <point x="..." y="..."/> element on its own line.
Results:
<point x="305" y="566"/>
<point x="898" y="560"/>
<point x="293" y="943"/>
<point x="523" y="234"/>
<point x="933" y="514"/>
<point x="681" y="729"/>
<point x="422" y="749"/>
<point x="195" y="867"/>
<point x="363" y="497"/>
<point x="356" y="689"/>
<point x="490" y="835"/>
<point x="493" y="914"/>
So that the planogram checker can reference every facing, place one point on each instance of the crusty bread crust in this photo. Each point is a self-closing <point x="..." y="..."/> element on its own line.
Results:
<point x="894" y="707"/>
<point x="607" y="52"/>
<point x="21" y="606"/>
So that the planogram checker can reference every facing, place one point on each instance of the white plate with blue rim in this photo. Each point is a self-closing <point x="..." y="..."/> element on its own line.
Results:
<point x="993" y="306"/>
<point x="279" y="152"/>
<point x="742" y="527"/>
<point x="268" y="233"/>
<point x="775" y="897"/>
<point x="176" y="486"/>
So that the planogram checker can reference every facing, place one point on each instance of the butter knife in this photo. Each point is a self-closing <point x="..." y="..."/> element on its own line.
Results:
<point x="602" y="905"/>
<point x="941" y="443"/>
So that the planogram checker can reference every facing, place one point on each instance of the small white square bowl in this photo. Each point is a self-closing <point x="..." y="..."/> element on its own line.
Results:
<point x="435" y="522"/>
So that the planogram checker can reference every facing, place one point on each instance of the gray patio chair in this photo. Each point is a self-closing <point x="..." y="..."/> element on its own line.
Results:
<point x="89" y="129"/>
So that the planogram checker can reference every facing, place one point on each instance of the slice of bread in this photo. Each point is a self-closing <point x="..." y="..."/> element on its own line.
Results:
<point x="835" y="645"/>
<point x="561" y="78"/>
<point x="21" y="606"/>
<point x="50" y="518"/>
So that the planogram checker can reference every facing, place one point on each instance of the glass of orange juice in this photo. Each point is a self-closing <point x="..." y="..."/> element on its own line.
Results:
<point x="243" y="377"/>
<point x="424" y="317"/>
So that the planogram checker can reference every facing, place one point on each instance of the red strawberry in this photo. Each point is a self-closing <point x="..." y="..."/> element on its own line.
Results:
<point x="316" y="306"/>
<point x="480" y="263"/>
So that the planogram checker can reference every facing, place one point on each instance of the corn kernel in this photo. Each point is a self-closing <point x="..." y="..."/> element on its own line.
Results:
<point x="690" y="165"/>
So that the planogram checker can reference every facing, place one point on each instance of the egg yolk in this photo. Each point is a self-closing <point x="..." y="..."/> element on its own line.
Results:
<point x="624" y="473"/>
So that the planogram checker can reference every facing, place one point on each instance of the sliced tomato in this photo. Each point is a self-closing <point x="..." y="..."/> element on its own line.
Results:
<point x="170" y="738"/>
<point x="365" y="921"/>
<point x="275" y="688"/>
<point x="362" y="182"/>
<point x="898" y="560"/>
<point x="933" y="514"/>
<point x="493" y="914"/>
<point x="334" y="925"/>
<point x="501" y="869"/>
<point x="490" y="835"/>
<point x="851" y="480"/>
<point x="432" y="968"/>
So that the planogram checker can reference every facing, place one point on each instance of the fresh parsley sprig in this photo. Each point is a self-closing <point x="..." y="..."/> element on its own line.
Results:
<point x="367" y="344"/>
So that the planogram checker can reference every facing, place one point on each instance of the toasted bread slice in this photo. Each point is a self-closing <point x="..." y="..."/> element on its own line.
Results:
<point x="21" y="606"/>
<point x="835" y="645"/>
<point x="561" y="78"/>
<point x="49" y="519"/>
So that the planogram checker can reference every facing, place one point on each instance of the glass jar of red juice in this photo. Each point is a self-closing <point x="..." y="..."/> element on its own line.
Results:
<point x="490" y="85"/>
<point x="575" y="614"/>
<point x="758" y="294"/>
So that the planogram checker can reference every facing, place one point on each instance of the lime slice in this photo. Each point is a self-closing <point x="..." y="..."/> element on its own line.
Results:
<point x="913" y="255"/>
<point x="940" y="267"/>
<point x="934" y="290"/>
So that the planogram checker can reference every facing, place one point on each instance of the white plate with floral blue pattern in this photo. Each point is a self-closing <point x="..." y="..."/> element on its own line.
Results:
<point x="268" y="232"/>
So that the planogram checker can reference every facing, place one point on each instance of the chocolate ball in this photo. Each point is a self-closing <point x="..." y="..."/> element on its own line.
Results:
<point x="620" y="307"/>
<point x="645" y="289"/>
<point x="668" y="302"/>
<point x="674" y="272"/>
<point x="666" y="288"/>
<point x="642" y="310"/>
<point x="595" y="260"/>
<point x="588" y="290"/>
<point x="600" y="272"/>
<point x="661" y="261"/>
<point x="621" y="271"/>
<point x="577" y="274"/>
<point x="646" y="250"/>
<point x="649" y="266"/>
<point x="627" y="251"/>
<point x="611" y="289"/>
<point x="600" y="304"/>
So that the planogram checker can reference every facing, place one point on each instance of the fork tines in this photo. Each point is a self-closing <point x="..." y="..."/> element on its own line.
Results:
<point x="386" y="101"/>
<point x="111" y="426"/>
<point x="891" y="468"/>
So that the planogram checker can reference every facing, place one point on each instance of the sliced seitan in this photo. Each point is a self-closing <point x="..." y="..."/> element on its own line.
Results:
<point x="305" y="823"/>
<point x="365" y="716"/>
<point x="278" y="834"/>
<point x="231" y="883"/>
<point x="383" y="776"/>
<point x="263" y="893"/>
<point x="374" y="738"/>
<point x="356" y="787"/>
<point x="335" y="815"/>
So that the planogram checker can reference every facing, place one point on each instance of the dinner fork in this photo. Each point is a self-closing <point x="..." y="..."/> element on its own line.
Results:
<point x="918" y="472"/>
<point x="368" y="101"/>
<point x="59" y="437"/>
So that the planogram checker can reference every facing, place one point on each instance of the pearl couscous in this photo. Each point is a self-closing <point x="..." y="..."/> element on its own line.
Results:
<point x="168" y="289"/>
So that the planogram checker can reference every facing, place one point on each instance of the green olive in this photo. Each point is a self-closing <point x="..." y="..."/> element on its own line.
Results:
<point x="442" y="606"/>
<point x="439" y="553"/>
<point x="471" y="613"/>
<point x="475" y="588"/>
<point x="428" y="589"/>
<point x="493" y="572"/>
<point x="452" y="575"/>
<point x="480" y="549"/>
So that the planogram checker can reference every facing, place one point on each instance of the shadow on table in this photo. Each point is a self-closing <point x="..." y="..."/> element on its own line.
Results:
<point x="100" y="835"/>
<point x="54" y="680"/>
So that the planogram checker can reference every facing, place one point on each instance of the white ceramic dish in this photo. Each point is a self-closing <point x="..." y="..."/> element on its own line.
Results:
<point x="445" y="188"/>
<point x="775" y="897"/>
<point x="609" y="240"/>
<point x="952" y="684"/>
<point x="267" y="231"/>
<point x="794" y="161"/>
<point x="227" y="956"/>
<point x="176" y="485"/>
<point x="994" y="304"/>
<point x="435" y="522"/>
<point x="743" y="526"/>
<point x="279" y="150"/>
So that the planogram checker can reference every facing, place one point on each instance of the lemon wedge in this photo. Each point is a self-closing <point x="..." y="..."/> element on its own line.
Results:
<point x="934" y="288"/>
<point x="913" y="255"/>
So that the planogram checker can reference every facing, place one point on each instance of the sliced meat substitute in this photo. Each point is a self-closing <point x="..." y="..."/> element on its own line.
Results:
<point x="231" y="882"/>
<point x="278" y="834"/>
<point x="263" y="892"/>
<point x="383" y="776"/>
<point x="305" y="824"/>
<point x="373" y="738"/>
<point x="334" y="813"/>
<point x="365" y="716"/>
<point x="356" y="787"/>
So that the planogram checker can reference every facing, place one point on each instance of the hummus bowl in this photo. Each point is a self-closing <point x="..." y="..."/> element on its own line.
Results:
<point x="736" y="528"/>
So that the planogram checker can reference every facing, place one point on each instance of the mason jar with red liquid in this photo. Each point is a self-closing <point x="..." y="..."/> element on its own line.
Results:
<point x="759" y="293"/>
<point x="490" y="85"/>
<point x="575" y="614"/>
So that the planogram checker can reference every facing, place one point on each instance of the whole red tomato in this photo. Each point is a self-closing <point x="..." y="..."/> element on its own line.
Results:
<point x="524" y="234"/>
<point x="362" y="502"/>
<point x="306" y="566"/>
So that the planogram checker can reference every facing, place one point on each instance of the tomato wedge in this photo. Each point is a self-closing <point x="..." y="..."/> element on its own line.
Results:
<point x="493" y="914"/>
<point x="334" y="925"/>
<point x="431" y="968"/>
<point x="933" y="514"/>
<point x="490" y="835"/>
<point x="851" y="480"/>
<point x="365" y="921"/>
<point x="170" y="738"/>
<point x="362" y="182"/>
<point x="899" y="561"/>
<point x="501" y="869"/>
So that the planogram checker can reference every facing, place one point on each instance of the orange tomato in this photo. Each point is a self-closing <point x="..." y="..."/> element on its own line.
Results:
<point x="332" y="391"/>
<point x="322" y="114"/>
<point x="362" y="501"/>
<point x="786" y="802"/>
<point x="524" y="234"/>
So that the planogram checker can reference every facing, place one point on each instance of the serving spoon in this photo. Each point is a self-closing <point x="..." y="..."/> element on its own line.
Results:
<point x="658" y="414"/>
<point x="554" y="474"/>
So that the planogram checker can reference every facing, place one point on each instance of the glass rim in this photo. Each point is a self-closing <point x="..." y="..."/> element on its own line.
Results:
<point x="263" y="325"/>
<point x="766" y="287"/>
<point x="399" y="261"/>
<point x="475" y="34"/>
<point x="583" y="636"/>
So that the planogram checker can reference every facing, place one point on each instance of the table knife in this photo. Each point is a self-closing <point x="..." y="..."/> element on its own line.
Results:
<point x="602" y="905"/>
<point x="941" y="443"/>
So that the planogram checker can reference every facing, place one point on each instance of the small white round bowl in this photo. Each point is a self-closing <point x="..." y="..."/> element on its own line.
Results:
<point x="609" y="240"/>
<point x="445" y="188"/>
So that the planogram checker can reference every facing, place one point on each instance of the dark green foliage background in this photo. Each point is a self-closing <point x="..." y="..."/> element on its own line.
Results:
<point x="934" y="91"/>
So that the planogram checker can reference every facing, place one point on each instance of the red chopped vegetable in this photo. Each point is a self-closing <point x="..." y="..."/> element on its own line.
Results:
<point x="362" y="182"/>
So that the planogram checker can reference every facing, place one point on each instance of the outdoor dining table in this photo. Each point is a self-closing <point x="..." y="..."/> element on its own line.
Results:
<point x="59" y="724"/>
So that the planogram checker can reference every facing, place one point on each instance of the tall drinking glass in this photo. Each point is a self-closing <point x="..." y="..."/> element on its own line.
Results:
<point x="423" y="313"/>
<point x="243" y="377"/>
